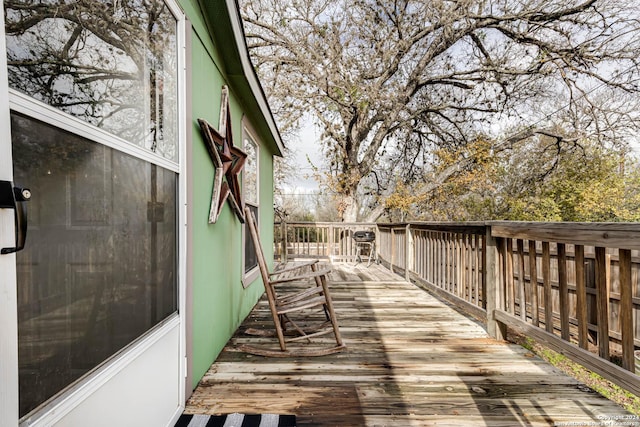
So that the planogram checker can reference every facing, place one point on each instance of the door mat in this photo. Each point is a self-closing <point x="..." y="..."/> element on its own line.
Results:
<point x="236" y="420"/>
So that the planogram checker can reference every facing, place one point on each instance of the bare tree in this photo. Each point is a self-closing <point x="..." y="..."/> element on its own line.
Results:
<point x="388" y="81"/>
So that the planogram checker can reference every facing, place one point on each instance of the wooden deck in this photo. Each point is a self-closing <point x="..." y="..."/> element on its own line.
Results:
<point x="411" y="361"/>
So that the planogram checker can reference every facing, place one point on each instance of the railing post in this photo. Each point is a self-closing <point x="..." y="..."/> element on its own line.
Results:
<point x="408" y="252"/>
<point x="330" y="241"/>
<point x="494" y="295"/>
<point x="285" y="244"/>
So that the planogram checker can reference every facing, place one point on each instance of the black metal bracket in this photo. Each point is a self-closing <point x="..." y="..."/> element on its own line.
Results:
<point x="15" y="198"/>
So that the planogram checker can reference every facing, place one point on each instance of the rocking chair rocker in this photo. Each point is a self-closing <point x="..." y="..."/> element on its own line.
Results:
<point x="287" y="308"/>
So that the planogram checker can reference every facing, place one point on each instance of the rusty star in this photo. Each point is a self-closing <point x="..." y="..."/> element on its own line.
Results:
<point x="228" y="162"/>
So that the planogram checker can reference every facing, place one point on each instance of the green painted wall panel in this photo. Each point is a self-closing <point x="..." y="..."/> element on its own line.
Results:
<point x="220" y="303"/>
<point x="266" y="200"/>
<point x="200" y="25"/>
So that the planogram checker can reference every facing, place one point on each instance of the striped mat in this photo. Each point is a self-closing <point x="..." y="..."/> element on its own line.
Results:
<point x="236" y="420"/>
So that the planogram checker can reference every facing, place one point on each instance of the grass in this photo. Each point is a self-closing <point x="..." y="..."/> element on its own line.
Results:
<point x="606" y="388"/>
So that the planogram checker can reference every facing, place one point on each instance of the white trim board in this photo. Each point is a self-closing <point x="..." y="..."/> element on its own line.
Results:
<point x="9" y="412"/>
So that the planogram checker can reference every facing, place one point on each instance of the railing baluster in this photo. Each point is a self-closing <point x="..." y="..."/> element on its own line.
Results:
<point x="564" y="291"/>
<point x="467" y="271"/>
<point x="481" y="265"/>
<point x="451" y="262"/>
<point x="422" y="257"/>
<point x="408" y="256"/>
<point x="455" y="264"/>
<point x="444" y="267"/>
<point x="465" y="268"/>
<point x="432" y="258"/>
<point x="393" y="249"/>
<point x="581" y="299"/>
<point x="444" y="262"/>
<point x="508" y="274"/>
<point x="439" y="250"/>
<point x="447" y="262"/>
<point x="602" y="301"/>
<point x="546" y="282"/>
<point x="460" y="266"/>
<point x="428" y="270"/>
<point x="533" y="281"/>
<point x="626" y="310"/>
<point x="503" y="273"/>
<point x="521" y="285"/>
<point x="453" y="274"/>
<point x="330" y="238"/>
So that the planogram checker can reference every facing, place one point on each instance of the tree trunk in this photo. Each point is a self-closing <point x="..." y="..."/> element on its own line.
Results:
<point x="375" y="213"/>
<point x="350" y="212"/>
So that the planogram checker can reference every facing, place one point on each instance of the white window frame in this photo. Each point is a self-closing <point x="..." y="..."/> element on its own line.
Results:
<point x="248" y="277"/>
<point x="72" y="396"/>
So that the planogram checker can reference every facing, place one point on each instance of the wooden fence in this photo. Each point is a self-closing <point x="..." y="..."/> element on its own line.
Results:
<point x="573" y="286"/>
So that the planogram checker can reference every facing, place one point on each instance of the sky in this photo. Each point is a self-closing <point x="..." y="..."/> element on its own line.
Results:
<point x="306" y="147"/>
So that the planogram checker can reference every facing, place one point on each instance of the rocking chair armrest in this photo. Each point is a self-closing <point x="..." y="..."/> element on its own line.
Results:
<point x="310" y="275"/>
<point x="294" y="267"/>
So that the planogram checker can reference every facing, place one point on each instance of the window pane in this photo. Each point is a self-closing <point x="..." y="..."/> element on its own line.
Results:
<point x="250" y="257"/>
<point x="250" y="191"/>
<point x="112" y="64"/>
<point x="99" y="268"/>
<point x="250" y="171"/>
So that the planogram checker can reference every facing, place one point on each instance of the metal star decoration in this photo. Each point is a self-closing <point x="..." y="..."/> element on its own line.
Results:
<point x="228" y="162"/>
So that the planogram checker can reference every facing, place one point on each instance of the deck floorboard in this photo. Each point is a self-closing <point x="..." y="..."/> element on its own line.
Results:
<point x="411" y="360"/>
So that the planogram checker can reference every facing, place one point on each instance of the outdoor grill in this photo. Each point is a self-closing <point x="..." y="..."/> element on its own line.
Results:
<point x="363" y="239"/>
<point x="364" y="236"/>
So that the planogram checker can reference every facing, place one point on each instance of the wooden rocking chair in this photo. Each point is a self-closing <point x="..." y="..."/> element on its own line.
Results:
<point x="306" y="302"/>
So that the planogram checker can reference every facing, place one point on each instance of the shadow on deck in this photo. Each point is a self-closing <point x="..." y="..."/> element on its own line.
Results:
<point x="411" y="361"/>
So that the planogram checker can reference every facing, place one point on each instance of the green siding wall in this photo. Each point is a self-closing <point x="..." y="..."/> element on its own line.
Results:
<point x="220" y="303"/>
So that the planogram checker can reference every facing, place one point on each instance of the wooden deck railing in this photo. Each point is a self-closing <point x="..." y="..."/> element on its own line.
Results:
<point x="328" y="240"/>
<point x="448" y="259"/>
<point x="573" y="286"/>
<point x="585" y="290"/>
